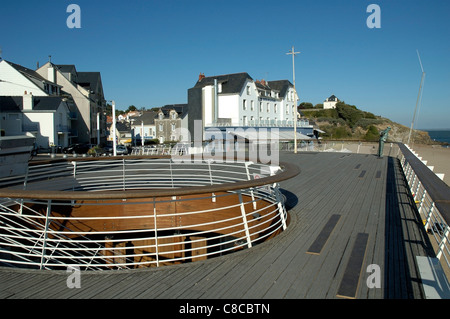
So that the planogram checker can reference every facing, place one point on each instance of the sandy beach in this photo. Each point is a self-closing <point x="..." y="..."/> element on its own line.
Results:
<point x="436" y="156"/>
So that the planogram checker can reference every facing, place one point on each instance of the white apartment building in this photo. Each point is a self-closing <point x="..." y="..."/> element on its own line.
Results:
<point x="238" y="100"/>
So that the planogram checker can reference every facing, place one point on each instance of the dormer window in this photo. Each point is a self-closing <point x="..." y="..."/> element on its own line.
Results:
<point x="161" y="116"/>
<point x="174" y="115"/>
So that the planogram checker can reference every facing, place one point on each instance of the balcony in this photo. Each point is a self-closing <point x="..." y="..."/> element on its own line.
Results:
<point x="62" y="129"/>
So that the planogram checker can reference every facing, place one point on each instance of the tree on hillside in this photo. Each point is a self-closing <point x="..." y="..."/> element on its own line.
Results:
<point x="305" y="105"/>
<point x="131" y="108"/>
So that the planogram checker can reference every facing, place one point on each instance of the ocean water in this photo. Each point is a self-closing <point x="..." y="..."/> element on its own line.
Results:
<point x="440" y="135"/>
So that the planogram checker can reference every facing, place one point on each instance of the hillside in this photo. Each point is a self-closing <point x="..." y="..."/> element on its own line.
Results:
<point x="349" y="123"/>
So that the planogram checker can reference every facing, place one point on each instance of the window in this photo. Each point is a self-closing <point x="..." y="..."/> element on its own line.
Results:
<point x="161" y="116"/>
<point x="252" y="107"/>
<point x="268" y="107"/>
<point x="161" y="127"/>
<point x="261" y="108"/>
<point x="275" y="108"/>
<point x="173" y="126"/>
<point x="244" y="105"/>
<point x="244" y="120"/>
<point x="248" y="89"/>
<point x="174" y="115"/>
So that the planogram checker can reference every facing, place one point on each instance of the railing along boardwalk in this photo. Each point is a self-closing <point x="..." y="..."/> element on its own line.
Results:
<point x="374" y="221"/>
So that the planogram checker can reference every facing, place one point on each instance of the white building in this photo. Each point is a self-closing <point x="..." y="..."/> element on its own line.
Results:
<point x="85" y="89"/>
<point x="238" y="100"/>
<point x="43" y="116"/>
<point x="143" y="127"/>
<point x="331" y="102"/>
<point x="31" y="103"/>
<point x="16" y="80"/>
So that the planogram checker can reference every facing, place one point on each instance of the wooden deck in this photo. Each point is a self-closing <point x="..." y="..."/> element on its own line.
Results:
<point x="347" y="211"/>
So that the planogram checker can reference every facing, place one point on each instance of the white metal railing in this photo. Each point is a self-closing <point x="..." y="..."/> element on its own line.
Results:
<point x="433" y="221"/>
<point x="136" y="212"/>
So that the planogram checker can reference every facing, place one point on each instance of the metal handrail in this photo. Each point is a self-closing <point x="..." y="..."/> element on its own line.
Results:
<point x="37" y="235"/>
<point x="288" y="171"/>
<point x="431" y="195"/>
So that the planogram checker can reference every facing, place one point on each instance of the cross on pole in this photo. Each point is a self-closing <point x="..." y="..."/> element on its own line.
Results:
<point x="293" y="53"/>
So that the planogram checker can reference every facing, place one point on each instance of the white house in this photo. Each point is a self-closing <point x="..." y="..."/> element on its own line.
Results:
<point x="15" y="80"/>
<point x="331" y="102"/>
<point x="31" y="103"/>
<point x="143" y="126"/>
<point x="46" y="117"/>
<point x="238" y="100"/>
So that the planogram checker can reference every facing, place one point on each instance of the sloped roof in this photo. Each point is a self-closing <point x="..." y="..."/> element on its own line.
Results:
<point x="332" y="98"/>
<point x="41" y="103"/>
<point x="148" y="117"/>
<point x="281" y="86"/>
<point x="89" y="79"/>
<point x="66" y="67"/>
<point x="47" y="103"/>
<point x="32" y="75"/>
<point x="181" y="109"/>
<point x="27" y="72"/>
<point x="231" y="83"/>
<point x="10" y="103"/>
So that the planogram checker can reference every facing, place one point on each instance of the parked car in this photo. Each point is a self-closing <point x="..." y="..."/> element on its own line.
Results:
<point x="121" y="150"/>
<point x="78" y="148"/>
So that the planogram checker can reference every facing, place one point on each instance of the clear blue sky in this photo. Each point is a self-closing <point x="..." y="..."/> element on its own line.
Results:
<point x="150" y="52"/>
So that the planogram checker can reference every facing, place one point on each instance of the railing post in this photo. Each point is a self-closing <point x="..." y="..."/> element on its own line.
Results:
<point x="280" y="205"/>
<point x="443" y="242"/>
<point x="248" y="177"/>
<point x="44" y="244"/>
<point x="156" y="233"/>
<point x="123" y="174"/>
<point x="422" y="200"/>
<point x="74" y="174"/>
<point x="211" y="180"/>
<point x="430" y="213"/>
<point x="244" y="218"/>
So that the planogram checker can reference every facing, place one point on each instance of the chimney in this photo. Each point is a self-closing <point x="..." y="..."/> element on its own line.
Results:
<point x="28" y="102"/>
<point x="51" y="73"/>
<point x="201" y="77"/>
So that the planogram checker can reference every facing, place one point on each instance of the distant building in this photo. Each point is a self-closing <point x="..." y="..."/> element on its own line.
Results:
<point x="143" y="127"/>
<point x="29" y="103"/>
<point x="43" y="116"/>
<point x="169" y="120"/>
<point x="331" y="102"/>
<point x="85" y="90"/>
<point x="236" y="100"/>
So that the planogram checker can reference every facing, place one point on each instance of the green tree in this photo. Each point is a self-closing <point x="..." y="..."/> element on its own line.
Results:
<point x="372" y="134"/>
<point x="131" y="108"/>
<point x="305" y="105"/>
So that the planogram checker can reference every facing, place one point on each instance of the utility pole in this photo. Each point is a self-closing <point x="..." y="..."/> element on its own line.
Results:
<point x="293" y="53"/>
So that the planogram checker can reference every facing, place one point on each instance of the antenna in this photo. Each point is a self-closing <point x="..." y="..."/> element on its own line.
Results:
<point x="419" y="97"/>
